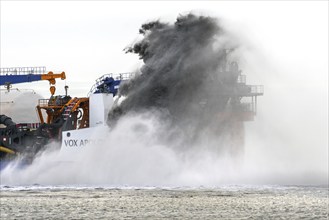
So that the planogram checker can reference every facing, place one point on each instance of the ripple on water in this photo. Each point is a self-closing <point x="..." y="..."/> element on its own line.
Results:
<point x="239" y="202"/>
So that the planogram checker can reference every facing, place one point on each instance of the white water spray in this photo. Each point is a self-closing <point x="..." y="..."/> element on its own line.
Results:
<point x="131" y="156"/>
<point x="286" y="144"/>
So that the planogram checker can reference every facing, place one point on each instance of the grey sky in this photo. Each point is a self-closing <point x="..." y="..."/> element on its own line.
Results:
<point x="86" y="39"/>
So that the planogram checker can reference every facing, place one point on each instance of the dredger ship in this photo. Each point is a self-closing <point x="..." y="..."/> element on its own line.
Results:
<point x="71" y="120"/>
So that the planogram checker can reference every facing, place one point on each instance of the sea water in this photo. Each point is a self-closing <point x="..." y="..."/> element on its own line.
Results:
<point x="225" y="202"/>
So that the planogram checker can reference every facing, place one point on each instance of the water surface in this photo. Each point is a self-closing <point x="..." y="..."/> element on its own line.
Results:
<point x="227" y="202"/>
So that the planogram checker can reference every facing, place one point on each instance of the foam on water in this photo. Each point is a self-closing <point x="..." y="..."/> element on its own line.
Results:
<point x="220" y="203"/>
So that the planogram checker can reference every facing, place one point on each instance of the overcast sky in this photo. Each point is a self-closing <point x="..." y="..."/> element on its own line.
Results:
<point x="86" y="39"/>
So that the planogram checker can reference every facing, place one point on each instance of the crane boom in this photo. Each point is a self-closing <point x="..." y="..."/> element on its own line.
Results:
<point x="27" y="74"/>
<point x="16" y="75"/>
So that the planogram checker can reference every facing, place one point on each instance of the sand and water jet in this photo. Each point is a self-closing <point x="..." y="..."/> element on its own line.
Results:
<point x="167" y="131"/>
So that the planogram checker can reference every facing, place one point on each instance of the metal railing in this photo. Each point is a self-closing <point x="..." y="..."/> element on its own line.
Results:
<point x="241" y="79"/>
<point x="250" y="90"/>
<point x="119" y="76"/>
<point x="43" y="102"/>
<point x="27" y="126"/>
<point x="256" y="89"/>
<point x="51" y="102"/>
<point x="22" y="70"/>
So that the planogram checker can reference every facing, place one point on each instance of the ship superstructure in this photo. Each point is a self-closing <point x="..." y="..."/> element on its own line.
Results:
<point x="57" y="115"/>
<point x="70" y="120"/>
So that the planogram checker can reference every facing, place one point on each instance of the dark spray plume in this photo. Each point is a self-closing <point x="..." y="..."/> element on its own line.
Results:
<point x="186" y="77"/>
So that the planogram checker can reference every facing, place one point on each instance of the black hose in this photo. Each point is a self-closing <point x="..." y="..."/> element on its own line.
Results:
<point x="10" y="125"/>
<point x="5" y="120"/>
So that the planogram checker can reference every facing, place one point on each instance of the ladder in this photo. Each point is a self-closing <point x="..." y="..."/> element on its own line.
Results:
<point x="69" y="107"/>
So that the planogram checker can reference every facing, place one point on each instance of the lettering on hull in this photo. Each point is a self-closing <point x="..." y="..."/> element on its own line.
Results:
<point x="81" y="142"/>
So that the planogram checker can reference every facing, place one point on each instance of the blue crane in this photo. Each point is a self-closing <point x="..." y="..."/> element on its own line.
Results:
<point x="14" y="75"/>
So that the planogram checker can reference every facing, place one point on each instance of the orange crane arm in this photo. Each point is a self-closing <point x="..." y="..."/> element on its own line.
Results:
<point x="51" y="77"/>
